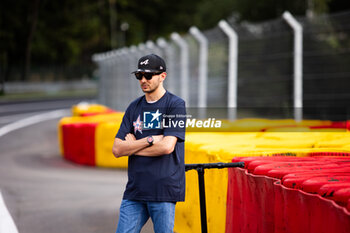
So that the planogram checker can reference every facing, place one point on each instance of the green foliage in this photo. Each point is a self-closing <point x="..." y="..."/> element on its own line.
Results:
<point x="209" y="14"/>
<point x="68" y="32"/>
<point x="66" y="29"/>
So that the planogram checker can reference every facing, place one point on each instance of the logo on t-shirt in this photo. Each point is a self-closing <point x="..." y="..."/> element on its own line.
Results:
<point x="152" y="120"/>
<point x="137" y="125"/>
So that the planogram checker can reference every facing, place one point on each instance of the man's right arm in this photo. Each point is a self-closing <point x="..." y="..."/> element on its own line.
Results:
<point x="130" y="145"/>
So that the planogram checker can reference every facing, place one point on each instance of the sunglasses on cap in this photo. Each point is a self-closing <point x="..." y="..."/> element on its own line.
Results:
<point x="148" y="76"/>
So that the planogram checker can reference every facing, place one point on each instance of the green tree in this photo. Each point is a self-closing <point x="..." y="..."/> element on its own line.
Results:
<point x="68" y="32"/>
<point x="50" y="32"/>
<point x="18" y="23"/>
<point x="209" y="12"/>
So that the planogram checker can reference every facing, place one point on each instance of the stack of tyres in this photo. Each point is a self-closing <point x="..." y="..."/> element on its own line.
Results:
<point x="79" y="142"/>
<point x="289" y="194"/>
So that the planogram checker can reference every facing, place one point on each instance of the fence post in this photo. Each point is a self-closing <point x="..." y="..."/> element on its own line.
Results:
<point x="97" y="58"/>
<point x="142" y="47"/>
<point x="232" y="69"/>
<point x="125" y="74"/>
<point x="298" y="64"/>
<point x="115" y="87"/>
<point x="203" y="68"/>
<point x="104" y="77"/>
<point x="170" y="63"/>
<point x="133" y="59"/>
<point x="184" y="65"/>
<point x="152" y="47"/>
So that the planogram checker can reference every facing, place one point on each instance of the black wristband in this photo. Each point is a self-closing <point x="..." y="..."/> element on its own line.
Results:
<point x="150" y="140"/>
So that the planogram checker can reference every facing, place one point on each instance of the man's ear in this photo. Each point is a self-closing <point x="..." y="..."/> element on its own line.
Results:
<point x="163" y="75"/>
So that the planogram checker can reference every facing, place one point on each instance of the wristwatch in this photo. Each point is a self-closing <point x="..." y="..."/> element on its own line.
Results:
<point x="150" y="140"/>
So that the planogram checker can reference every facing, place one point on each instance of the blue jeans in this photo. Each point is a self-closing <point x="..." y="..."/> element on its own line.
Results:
<point x="134" y="214"/>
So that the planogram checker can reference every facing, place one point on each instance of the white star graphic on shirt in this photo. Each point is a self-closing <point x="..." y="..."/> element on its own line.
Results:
<point x="156" y="115"/>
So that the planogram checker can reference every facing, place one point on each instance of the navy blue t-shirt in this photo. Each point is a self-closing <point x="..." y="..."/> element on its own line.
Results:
<point x="159" y="178"/>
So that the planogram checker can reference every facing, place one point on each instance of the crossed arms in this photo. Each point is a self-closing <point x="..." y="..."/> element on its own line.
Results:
<point x="161" y="145"/>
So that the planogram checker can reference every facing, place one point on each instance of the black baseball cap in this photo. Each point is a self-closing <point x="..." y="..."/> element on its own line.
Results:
<point x="150" y="64"/>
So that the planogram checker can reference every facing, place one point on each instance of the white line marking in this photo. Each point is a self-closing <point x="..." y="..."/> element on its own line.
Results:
<point x="33" y="120"/>
<point x="7" y="225"/>
<point x="14" y="117"/>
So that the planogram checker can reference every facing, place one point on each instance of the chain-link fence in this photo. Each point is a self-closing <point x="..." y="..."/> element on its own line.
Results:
<point x="265" y="76"/>
<point x="327" y="64"/>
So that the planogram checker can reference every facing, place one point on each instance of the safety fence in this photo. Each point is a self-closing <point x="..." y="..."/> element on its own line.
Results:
<point x="85" y="138"/>
<point x="298" y="65"/>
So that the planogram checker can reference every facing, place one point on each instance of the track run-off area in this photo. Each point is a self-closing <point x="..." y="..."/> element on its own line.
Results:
<point x="42" y="192"/>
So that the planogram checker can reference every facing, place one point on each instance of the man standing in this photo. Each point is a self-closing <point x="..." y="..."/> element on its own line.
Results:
<point x="156" y="171"/>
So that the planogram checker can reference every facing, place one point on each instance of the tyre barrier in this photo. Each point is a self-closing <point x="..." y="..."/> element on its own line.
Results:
<point x="317" y="200"/>
<point x="86" y="109"/>
<point x="84" y="147"/>
<point x="87" y="138"/>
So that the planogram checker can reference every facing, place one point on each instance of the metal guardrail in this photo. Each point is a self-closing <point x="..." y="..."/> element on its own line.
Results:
<point x="200" y="167"/>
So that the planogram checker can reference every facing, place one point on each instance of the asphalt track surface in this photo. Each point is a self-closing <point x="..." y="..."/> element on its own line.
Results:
<point x="45" y="193"/>
<point x="16" y="110"/>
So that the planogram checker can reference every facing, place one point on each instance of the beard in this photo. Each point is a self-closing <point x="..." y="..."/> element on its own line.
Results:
<point x="150" y="90"/>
